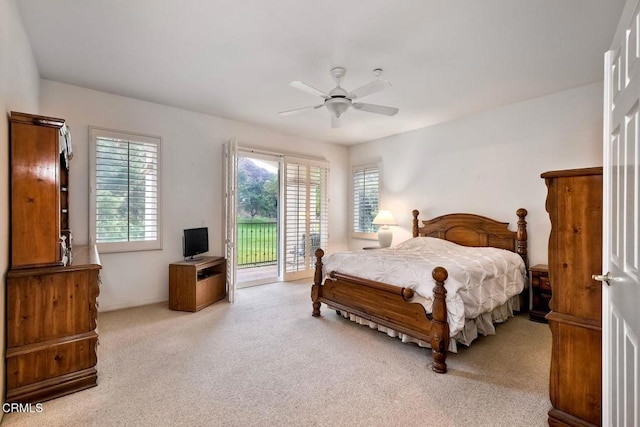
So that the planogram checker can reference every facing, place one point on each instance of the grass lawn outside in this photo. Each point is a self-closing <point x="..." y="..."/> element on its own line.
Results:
<point x="257" y="242"/>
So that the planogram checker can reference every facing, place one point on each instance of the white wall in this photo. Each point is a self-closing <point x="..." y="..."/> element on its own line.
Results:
<point x="489" y="163"/>
<point x="192" y="180"/>
<point x="19" y="88"/>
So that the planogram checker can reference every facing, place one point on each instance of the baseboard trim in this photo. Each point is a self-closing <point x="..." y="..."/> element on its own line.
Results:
<point x="132" y="304"/>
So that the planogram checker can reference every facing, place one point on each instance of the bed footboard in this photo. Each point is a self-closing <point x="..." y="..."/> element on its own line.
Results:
<point x="387" y="305"/>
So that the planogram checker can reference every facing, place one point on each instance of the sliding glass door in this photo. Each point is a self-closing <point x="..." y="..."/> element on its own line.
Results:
<point x="277" y="216"/>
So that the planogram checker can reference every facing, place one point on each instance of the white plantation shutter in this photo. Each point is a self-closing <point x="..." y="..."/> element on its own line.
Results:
<point x="231" y="208"/>
<point x="366" y="198"/>
<point x="125" y="188"/>
<point x="306" y="214"/>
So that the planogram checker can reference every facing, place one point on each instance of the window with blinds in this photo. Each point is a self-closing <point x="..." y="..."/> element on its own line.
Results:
<point x="366" y="198"/>
<point x="306" y="215"/>
<point x="125" y="189"/>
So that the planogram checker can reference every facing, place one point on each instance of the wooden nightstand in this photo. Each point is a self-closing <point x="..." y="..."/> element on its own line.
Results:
<point x="539" y="292"/>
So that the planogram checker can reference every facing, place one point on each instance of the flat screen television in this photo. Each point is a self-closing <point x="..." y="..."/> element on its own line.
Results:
<point x="195" y="242"/>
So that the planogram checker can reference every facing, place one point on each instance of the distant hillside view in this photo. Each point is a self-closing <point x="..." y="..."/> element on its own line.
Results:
<point x="257" y="191"/>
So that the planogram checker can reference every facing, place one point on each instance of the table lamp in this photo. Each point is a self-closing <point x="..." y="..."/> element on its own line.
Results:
<point x="384" y="219"/>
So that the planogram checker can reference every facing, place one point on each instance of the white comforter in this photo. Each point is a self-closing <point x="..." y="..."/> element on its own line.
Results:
<point x="480" y="279"/>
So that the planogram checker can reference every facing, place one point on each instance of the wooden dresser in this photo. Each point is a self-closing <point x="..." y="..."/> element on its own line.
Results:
<point x="51" y="328"/>
<point x="574" y="203"/>
<point x="52" y="286"/>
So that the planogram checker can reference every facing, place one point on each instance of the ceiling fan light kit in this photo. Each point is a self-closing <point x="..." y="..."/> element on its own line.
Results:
<point x="337" y="105"/>
<point x="338" y="100"/>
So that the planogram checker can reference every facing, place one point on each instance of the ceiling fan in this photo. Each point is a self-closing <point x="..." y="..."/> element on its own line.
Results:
<point x="339" y="100"/>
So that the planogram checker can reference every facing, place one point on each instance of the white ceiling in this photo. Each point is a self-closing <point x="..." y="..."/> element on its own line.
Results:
<point x="235" y="58"/>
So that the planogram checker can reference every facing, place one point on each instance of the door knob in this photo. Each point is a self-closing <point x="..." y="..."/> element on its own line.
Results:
<point x="602" y="278"/>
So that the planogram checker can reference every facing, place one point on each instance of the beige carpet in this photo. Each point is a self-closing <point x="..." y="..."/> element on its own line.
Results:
<point x="264" y="361"/>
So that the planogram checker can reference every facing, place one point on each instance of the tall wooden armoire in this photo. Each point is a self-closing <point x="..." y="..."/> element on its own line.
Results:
<point x="574" y="203"/>
<point x="52" y="286"/>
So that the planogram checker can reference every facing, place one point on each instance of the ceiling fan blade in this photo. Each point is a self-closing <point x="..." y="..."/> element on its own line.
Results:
<point x="369" y="88"/>
<point x="335" y="121"/>
<point x="298" y="110"/>
<point x="309" y="89"/>
<point x="378" y="109"/>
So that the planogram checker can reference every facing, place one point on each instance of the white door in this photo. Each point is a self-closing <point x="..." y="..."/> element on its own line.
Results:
<point x="231" y="208"/>
<point x="621" y="294"/>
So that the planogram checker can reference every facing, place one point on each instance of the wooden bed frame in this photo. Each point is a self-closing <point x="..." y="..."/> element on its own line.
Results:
<point x="389" y="305"/>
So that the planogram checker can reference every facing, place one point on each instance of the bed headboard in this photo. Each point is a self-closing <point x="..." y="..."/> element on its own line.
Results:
<point x="475" y="230"/>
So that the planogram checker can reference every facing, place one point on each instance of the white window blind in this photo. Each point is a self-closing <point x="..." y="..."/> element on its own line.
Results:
<point x="125" y="212"/>
<point x="306" y="214"/>
<point x="366" y="198"/>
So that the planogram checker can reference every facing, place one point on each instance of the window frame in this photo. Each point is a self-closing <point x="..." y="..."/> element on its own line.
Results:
<point x="354" y="170"/>
<point x="124" y="246"/>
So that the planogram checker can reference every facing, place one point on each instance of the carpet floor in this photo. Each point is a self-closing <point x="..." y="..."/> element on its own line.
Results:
<point x="265" y="361"/>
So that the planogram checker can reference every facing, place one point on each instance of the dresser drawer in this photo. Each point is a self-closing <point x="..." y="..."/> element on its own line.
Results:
<point x="40" y="363"/>
<point x="544" y="284"/>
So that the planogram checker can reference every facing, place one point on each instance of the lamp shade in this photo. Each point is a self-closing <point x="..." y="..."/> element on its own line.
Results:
<point x="384" y="218"/>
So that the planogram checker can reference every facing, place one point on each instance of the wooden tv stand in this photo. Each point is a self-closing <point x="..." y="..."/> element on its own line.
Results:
<point x="194" y="285"/>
